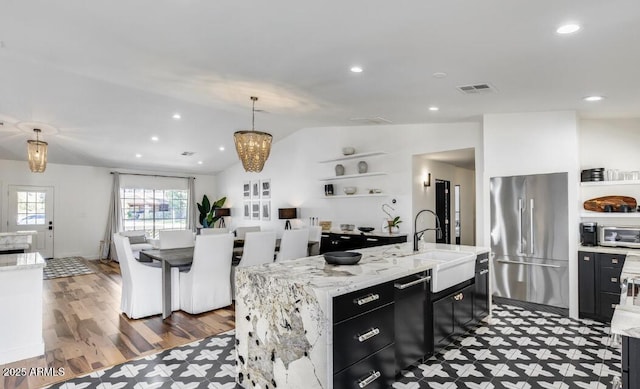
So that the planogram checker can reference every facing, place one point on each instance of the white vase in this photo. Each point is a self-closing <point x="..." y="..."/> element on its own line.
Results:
<point x="362" y="167"/>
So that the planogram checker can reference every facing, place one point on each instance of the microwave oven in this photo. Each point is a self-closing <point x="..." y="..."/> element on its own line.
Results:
<point x="619" y="236"/>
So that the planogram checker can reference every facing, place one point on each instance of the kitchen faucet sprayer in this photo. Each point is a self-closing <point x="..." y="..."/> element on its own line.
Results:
<point x="418" y="234"/>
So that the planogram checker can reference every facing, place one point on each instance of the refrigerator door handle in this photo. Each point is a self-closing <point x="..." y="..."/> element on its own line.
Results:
<point x="528" y="264"/>
<point x="520" y="245"/>
<point x="531" y="245"/>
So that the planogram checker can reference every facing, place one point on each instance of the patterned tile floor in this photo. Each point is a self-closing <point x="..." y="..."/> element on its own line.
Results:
<point x="516" y="349"/>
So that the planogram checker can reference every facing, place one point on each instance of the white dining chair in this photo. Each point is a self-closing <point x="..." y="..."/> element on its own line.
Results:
<point x="175" y="239"/>
<point x="213" y="231"/>
<point x="315" y="235"/>
<point x="293" y="245"/>
<point x="259" y="248"/>
<point x="142" y="284"/>
<point x="207" y="285"/>
<point x="241" y="231"/>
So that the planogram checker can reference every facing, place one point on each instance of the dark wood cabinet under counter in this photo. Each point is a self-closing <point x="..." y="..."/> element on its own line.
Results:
<point x="598" y="284"/>
<point x="331" y="241"/>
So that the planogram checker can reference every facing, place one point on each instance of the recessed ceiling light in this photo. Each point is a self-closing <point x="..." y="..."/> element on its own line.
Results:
<point x="433" y="108"/>
<point x="176" y="116"/>
<point x="199" y="162"/>
<point x="138" y="155"/>
<point x="593" y="98"/>
<point x="439" y="74"/>
<point x="356" y="69"/>
<point x="155" y="138"/>
<point x="221" y="148"/>
<point x="568" y="28"/>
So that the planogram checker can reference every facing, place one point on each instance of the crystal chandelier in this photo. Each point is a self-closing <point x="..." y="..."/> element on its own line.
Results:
<point x="253" y="146"/>
<point x="37" y="153"/>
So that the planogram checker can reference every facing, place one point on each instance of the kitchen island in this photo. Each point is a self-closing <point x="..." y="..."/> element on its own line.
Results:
<point x="21" y="301"/>
<point x="291" y="316"/>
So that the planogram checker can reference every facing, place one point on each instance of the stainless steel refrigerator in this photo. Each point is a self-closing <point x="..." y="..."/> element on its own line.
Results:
<point x="529" y="238"/>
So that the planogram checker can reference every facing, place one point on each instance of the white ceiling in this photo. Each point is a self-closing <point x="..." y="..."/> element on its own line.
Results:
<point x="107" y="75"/>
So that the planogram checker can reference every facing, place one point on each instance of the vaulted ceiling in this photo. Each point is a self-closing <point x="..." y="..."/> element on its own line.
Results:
<point x="102" y="77"/>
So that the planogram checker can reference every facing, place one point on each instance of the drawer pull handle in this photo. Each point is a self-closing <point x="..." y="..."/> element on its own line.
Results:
<point x="412" y="283"/>
<point x="613" y="279"/>
<point x="586" y="258"/>
<point x="485" y="271"/>
<point x="614" y="260"/>
<point x="372" y="240"/>
<point x="484" y="260"/>
<point x="459" y="297"/>
<point x="368" y="335"/>
<point x="345" y="237"/>
<point x="367" y="299"/>
<point x="374" y="375"/>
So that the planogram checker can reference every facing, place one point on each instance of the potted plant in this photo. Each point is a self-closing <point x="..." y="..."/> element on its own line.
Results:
<point x="393" y="224"/>
<point x="208" y="216"/>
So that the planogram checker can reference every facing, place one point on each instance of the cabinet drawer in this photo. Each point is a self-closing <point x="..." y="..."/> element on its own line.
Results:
<point x="607" y="304"/>
<point x="374" y="372"/>
<point x="610" y="279"/>
<point x="611" y="260"/>
<point x="361" y="336"/>
<point x="361" y="301"/>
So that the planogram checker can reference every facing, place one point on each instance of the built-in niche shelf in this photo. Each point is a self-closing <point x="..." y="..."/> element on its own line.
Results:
<point x="356" y="195"/>
<point x="346" y="176"/>
<point x="354" y="156"/>
<point x="625" y="215"/>
<point x="610" y="183"/>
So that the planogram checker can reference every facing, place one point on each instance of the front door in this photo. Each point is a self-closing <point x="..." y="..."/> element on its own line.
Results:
<point x="31" y="209"/>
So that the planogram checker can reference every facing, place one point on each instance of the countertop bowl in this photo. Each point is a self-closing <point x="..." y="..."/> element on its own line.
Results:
<point x="347" y="227"/>
<point x="366" y="229"/>
<point x="342" y="257"/>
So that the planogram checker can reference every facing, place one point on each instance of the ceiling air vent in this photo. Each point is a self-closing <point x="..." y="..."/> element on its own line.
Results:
<point x="476" y="88"/>
<point x="187" y="153"/>
<point x="374" y="120"/>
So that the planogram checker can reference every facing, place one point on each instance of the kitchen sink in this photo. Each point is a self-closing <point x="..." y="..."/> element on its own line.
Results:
<point x="452" y="267"/>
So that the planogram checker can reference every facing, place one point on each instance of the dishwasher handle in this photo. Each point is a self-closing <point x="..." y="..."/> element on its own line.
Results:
<point x="412" y="283"/>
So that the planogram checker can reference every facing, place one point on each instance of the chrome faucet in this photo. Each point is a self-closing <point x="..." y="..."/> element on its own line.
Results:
<point x="418" y="234"/>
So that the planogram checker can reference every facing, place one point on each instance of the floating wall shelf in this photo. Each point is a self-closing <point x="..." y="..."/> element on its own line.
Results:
<point x="354" y="156"/>
<point x="373" y="174"/>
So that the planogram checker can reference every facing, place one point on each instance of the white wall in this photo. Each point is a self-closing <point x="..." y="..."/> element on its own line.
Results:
<point x="81" y="201"/>
<point x="295" y="172"/>
<point x="426" y="197"/>
<point x="534" y="143"/>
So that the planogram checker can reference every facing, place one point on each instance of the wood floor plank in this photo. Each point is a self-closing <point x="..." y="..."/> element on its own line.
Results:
<point x="84" y="330"/>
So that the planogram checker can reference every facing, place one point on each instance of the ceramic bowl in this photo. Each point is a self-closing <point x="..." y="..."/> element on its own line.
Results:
<point x="342" y="257"/>
<point x="348" y="150"/>
<point x="350" y="190"/>
<point x="365" y="229"/>
<point x="347" y="227"/>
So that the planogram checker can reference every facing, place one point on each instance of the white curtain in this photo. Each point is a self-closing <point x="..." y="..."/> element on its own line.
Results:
<point x="191" y="209"/>
<point x="114" y="221"/>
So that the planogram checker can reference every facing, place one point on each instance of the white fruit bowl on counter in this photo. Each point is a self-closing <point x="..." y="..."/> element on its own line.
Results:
<point x="452" y="268"/>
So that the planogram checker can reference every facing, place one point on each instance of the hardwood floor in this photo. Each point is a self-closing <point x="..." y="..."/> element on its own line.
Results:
<point x="85" y="331"/>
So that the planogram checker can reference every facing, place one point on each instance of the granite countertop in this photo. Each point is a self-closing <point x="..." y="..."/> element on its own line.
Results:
<point x="609" y="250"/>
<point x="12" y="262"/>
<point x="626" y="318"/>
<point x="378" y="264"/>
<point x="18" y="233"/>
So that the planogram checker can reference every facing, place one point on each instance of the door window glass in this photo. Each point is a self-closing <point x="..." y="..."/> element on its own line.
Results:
<point x="31" y="208"/>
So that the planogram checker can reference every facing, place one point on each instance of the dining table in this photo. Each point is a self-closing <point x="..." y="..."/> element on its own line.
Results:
<point x="183" y="257"/>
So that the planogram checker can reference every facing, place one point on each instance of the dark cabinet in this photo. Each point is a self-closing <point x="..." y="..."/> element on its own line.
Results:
<point x="453" y="314"/>
<point x="412" y="338"/>
<point x="481" y="298"/>
<point x="598" y="284"/>
<point x="363" y="338"/>
<point x="342" y="242"/>
<point x="630" y="362"/>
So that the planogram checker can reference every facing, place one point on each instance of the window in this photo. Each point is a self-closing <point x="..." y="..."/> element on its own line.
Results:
<point x="153" y="210"/>
<point x="31" y="208"/>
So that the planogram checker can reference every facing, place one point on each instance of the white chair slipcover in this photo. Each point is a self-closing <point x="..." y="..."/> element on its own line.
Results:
<point x="136" y="247"/>
<point x="175" y="239"/>
<point x="207" y="285"/>
<point x="315" y="235"/>
<point x="293" y="245"/>
<point x="212" y="231"/>
<point x="259" y="248"/>
<point x="142" y="284"/>
<point x="241" y="231"/>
